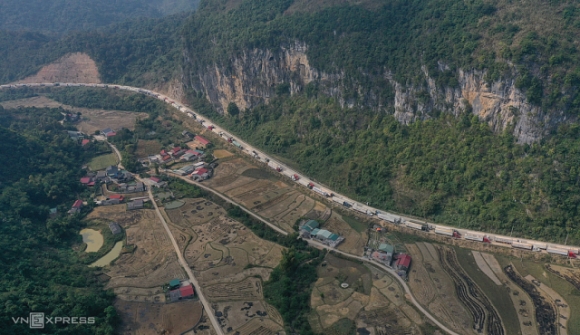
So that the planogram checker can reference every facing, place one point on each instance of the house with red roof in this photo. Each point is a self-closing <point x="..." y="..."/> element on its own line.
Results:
<point x="403" y="263"/>
<point x="187" y="291"/>
<point x="201" y="140"/>
<point x="117" y="196"/>
<point x="76" y="207"/>
<point x="85" y="142"/>
<point x="86" y="180"/>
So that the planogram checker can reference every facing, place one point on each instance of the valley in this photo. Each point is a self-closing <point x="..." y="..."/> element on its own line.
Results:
<point x="213" y="247"/>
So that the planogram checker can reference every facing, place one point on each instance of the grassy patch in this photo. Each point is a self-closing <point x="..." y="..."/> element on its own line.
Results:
<point x="102" y="162"/>
<point x="342" y="327"/>
<point x="147" y="147"/>
<point x="355" y="223"/>
<point x="498" y="295"/>
<point x="565" y="289"/>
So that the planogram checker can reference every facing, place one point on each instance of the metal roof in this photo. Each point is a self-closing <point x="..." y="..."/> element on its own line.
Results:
<point x="324" y="233"/>
<point x="313" y="223"/>
<point x="386" y="248"/>
<point x="174" y="282"/>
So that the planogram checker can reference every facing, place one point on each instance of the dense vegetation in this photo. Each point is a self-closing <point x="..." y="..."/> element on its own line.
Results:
<point x="400" y="37"/>
<point x="39" y="271"/>
<point x="139" y="52"/>
<point x="451" y="170"/>
<point x="60" y="16"/>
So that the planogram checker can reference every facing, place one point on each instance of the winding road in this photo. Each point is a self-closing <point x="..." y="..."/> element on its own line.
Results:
<point x="182" y="262"/>
<point x="302" y="179"/>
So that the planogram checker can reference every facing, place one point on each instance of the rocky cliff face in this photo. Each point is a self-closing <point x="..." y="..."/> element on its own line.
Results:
<point x="252" y="78"/>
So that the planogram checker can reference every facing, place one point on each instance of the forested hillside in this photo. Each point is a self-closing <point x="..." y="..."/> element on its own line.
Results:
<point x="534" y="43"/>
<point x="39" y="271"/>
<point x="55" y="17"/>
<point x="450" y="170"/>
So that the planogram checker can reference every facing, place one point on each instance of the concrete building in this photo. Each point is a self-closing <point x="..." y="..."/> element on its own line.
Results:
<point x="384" y="254"/>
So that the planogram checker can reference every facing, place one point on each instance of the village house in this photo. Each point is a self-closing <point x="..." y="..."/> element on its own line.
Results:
<point x="154" y="181"/>
<point x="76" y="207"/>
<point x="311" y="230"/>
<point x="108" y="132"/>
<point x="203" y="142"/>
<point x="384" y="254"/>
<point x="402" y="264"/>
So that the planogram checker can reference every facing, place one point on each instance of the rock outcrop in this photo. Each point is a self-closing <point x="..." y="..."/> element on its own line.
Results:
<point x="253" y="77"/>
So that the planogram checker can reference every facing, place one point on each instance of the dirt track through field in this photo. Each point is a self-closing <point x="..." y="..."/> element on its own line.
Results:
<point x="484" y="267"/>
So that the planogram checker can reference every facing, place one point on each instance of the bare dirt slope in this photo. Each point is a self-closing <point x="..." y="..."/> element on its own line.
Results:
<point x="72" y="68"/>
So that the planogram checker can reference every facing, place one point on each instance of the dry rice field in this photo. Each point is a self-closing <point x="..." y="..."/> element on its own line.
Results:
<point x="137" y="277"/>
<point x="230" y="263"/>
<point x="279" y="202"/>
<point x="144" y="318"/>
<point x="374" y="301"/>
<point x="434" y="289"/>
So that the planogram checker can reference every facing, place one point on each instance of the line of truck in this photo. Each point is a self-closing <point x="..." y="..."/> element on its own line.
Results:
<point x="555" y="249"/>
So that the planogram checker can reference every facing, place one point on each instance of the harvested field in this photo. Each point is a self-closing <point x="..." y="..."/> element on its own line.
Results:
<point x="248" y="289"/>
<point x="545" y="314"/>
<point x="506" y="301"/>
<point x="371" y="294"/>
<point x="92" y="119"/>
<point x="561" y="306"/>
<point x="484" y="315"/>
<point x="232" y="315"/>
<point x="147" y="147"/>
<point x="143" y="318"/>
<point x="221" y="154"/>
<point x="434" y="289"/>
<point x="98" y="119"/>
<point x="71" y="68"/>
<point x="219" y="252"/>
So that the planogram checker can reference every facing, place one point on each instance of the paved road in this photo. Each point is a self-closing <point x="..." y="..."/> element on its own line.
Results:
<point x="321" y="246"/>
<point x="287" y="171"/>
<point x="182" y="262"/>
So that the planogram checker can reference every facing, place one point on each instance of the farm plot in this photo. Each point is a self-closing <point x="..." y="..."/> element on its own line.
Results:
<point x="144" y="318"/>
<point x="545" y="313"/>
<point x="369" y="297"/>
<point x="514" y="305"/>
<point x="257" y="190"/>
<point x="434" y="289"/>
<point x="562" y="308"/>
<point x="221" y="154"/>
<point x="247" y="316"/>
<point x="194" y="212"/>
<point x="485" y="316"/>
<point x="220" y="251"/>
<point x="153" y="262"/>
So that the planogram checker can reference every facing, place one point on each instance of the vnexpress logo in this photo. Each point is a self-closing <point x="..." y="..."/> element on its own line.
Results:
<point x="37" y="320"/>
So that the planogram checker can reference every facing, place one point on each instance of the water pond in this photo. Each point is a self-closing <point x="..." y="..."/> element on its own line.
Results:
<point x="93" y="239"/>
<point x="110" y="256"/>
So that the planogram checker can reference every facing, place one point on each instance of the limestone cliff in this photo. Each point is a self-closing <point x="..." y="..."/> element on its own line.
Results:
<point x="252" y="78"/>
